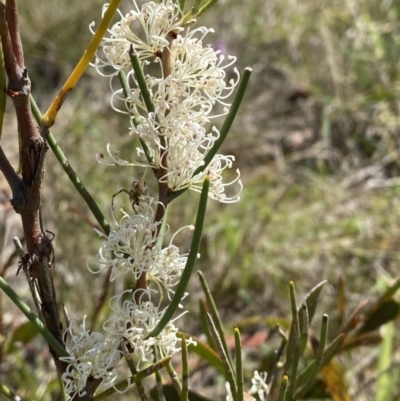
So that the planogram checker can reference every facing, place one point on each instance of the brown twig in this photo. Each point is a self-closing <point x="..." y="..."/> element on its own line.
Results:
<point x="10" y="62"/>
<point x="13" y="179"/>
<point x="13" y="27"/>
<point x="27" y="186"/>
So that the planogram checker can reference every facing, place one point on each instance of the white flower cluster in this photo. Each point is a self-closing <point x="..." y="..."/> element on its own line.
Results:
<point x="186" y="79"/>
<point x="130" y="248"/>
<point x="91" y="354"/>
<point x="259" y="387"/>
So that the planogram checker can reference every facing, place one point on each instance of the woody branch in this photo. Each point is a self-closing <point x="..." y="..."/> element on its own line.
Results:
<point x="26" y="184"/>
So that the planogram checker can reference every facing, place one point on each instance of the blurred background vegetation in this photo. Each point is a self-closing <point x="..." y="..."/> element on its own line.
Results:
<point x="317" y="143"/>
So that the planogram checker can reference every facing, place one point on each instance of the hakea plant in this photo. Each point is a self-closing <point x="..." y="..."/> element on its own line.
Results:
<point x="170" y="119"/>
<point x="171" y="87"/>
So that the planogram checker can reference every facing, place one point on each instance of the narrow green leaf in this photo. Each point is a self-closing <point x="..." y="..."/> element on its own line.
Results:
<point x="304" y="326"/>
<point x="206" y="6"/>
<point x="141" y="79"/>
<point x="330" y="351"/>
<point x="317" y="365"/>
<point x="312" y="298"/>
<point x="239" y="364"/>
<point x="40" y="327"/>
<point x="180" y="290"/>
<point x="293" y="350"/>
<point x="322" y="340"/>
<point x="195" y="8"/>
<point x="294" y="333"/>
<point x="224" y="357"/>
<point x="216" y="318"/>
<point x="126" y="89"/>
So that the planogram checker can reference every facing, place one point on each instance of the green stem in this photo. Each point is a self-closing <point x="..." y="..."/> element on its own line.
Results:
<point x="187" y="272"/>
<point x="24" y="308"/>
<point x="174" y="377"/>
<point x="132" y="368"/>
<point x="70" y="171"/>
